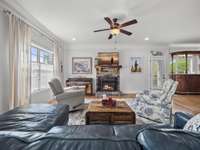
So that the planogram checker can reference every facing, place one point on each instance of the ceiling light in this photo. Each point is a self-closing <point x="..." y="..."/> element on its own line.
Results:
<point x="115" y="31"/>
<point x="146" y="38"/>
<point x="74" y="39"/>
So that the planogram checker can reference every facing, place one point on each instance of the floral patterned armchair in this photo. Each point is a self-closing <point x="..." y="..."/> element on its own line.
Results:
<point x="156" y="106"/>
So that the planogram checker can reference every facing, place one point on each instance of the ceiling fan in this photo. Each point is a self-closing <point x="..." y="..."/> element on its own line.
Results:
<point x="116" y="28"/>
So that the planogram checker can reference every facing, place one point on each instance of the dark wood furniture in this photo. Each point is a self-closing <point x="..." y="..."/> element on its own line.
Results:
<point x="87" y="82"/>
<point x="99" y="114"/>
<point x="188" y="83"/>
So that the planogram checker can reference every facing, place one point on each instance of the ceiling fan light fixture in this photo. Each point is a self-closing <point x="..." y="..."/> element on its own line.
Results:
<point x="146" y="38"/>
<point x="73" y="39"/>
<point x="116" y="28"/>
<point x="115" y="31"/>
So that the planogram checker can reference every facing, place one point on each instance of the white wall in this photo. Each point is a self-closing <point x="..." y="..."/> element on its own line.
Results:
<point x="4" y="62"/>
<point x="129" y="82"/>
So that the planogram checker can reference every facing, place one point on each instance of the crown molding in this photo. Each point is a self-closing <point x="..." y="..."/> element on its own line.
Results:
<point x="19" y="11"/>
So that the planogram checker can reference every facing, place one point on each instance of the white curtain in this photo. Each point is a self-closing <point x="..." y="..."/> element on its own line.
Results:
<point x="58" y="66"/>
<point x="19" y="61"/>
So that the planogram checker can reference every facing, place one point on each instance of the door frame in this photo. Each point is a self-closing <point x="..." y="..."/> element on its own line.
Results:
<point x="162" y="58"/>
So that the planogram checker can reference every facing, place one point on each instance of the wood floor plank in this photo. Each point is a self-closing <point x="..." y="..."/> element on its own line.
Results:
<point x="187" y="103"/>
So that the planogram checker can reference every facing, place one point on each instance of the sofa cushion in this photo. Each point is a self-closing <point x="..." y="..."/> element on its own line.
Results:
<point x="168" y="139"/>
<point x="94" y="137"/>
<point x="180" y="119"/>
<point x="34" y="118"/>
<point x="16" y="140"/>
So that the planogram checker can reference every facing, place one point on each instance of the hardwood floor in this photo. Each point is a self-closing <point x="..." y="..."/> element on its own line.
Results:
<point x="184" y="103"/>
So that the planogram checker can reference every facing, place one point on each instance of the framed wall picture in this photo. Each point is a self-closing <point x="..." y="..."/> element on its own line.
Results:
<point x="136" y="64"/>
<point x="81" y="65"/>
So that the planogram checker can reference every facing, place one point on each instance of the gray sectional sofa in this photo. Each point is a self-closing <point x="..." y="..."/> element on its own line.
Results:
<point x="44" y="128"/>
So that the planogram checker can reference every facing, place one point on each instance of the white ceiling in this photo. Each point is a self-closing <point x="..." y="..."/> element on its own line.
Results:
<point x="163" y="21"/>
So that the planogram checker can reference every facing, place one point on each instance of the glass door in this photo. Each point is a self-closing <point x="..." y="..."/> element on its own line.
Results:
<point x="157" y="72"/>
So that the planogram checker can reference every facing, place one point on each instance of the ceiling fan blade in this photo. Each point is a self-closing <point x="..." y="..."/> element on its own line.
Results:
<point x="125" y="32"/>
<point x="102" y="30"/>
<point x="110" y="36"/>
<point x="109" y="21"/>
<point x="129" y="23"/>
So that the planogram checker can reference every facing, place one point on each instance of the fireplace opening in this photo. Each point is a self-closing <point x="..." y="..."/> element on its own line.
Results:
<point x="108" y="87"/>
<point x="109" y="84"/>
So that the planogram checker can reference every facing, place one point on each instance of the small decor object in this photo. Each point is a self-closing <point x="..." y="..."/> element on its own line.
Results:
<point x="109" y="102"/>
<point x="81" y="65"/>
<point x="193" y="124"/>
<point x="156" y="53"/>
<point x="136" y="64"/>
<point x="104" y="96"/>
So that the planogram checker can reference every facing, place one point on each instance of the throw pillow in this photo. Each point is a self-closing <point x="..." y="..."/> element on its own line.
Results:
<point x="193" y="124"/>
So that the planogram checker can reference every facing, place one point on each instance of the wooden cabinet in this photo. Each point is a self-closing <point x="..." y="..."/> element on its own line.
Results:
<point x="185" y="68"/>
<point x="187" y="83"/>
<point x="87" y="82"/>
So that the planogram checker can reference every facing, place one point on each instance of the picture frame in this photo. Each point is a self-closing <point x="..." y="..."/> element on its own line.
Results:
<point x="81" y="65"/>
<point x="136" y="64"/>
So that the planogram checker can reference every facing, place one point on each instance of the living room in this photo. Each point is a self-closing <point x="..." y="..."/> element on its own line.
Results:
<point x="99" y="75"/>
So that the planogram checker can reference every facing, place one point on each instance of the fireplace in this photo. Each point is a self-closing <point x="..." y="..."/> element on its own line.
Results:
<point x="107" y="74"/>
<point x="107" y="84"/>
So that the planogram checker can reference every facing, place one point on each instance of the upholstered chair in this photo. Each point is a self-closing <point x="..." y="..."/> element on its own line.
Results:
<point x="73" y="96"/>
<point x="156" y="107"/>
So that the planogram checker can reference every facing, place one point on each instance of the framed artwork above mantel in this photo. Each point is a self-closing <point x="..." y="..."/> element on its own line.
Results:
<point x="81" y="65"/>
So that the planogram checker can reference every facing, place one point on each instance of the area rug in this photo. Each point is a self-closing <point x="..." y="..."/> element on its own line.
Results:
<point x="78" y="117"/>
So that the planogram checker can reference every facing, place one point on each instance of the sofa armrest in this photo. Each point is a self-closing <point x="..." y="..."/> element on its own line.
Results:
<point x="180" y="119"/>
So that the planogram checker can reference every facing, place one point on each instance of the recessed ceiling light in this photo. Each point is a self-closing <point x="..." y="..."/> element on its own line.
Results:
<point x="146" y="38"/>
<point x="74" y="39"/>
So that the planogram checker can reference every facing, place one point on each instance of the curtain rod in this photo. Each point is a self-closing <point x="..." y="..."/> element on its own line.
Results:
<point x="8" y="12"/>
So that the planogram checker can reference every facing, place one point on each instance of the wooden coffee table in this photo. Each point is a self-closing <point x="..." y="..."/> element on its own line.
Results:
<point x="99" y="114"/>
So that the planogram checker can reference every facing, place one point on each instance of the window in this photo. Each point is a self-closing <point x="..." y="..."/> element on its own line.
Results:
<point x="41" y="68"/>
<point x="193" y="64"/>
<point x="186" y="62"/>
<point x="179" y="64"/>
